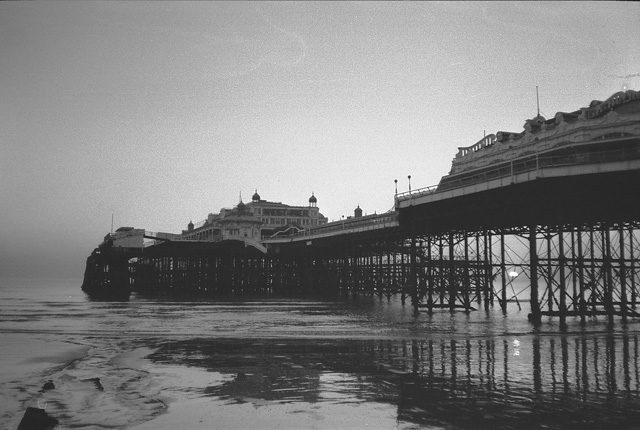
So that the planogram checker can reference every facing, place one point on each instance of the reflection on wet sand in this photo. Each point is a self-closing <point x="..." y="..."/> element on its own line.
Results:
<point x="580" y="380"/>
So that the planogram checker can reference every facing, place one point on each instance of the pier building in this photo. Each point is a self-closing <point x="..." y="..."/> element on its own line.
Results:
<point x="127" y="237"/>
<point x="256" y="220"/>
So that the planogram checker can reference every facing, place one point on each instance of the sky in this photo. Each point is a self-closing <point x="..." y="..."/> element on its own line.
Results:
<point x="162" y="112"/>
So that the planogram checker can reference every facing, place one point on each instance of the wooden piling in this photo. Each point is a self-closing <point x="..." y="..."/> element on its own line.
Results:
<point x="563" y="287"/>
<point x="622" y="274"/>
<point x="478" y="276"/>
<point x="580" y="268"/>
<point x="429" y="276"/>
<point x="550" y="291"/>
<point x="488" y="288"/>
<point x="533" y="271"/>
<point x="632" y="268"/>
<point x="607" y="263"/>
<point x="415" y="296"/>
<point x="452" y="274"/>
<point x="466" y="287"/>
<point x="503" y="275"/>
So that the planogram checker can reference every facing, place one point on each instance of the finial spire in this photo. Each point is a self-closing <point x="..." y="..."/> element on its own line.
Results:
<point x="537" y="101"/>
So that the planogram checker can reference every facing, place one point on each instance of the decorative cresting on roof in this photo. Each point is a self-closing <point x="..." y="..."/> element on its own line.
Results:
<point x="539" y="129"/>
<point x="597" y="108"/>
<point x="482" y="143"/>
<point x="241" y="211"/>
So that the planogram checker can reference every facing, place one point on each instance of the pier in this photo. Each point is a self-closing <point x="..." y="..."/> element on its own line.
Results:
<point x="555" y="205"/>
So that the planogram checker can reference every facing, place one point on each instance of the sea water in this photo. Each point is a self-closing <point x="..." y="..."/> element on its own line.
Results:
<point x="364" y="362"/>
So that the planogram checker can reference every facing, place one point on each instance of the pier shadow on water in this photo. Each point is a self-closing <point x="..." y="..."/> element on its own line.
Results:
<point x="573" y="380"/>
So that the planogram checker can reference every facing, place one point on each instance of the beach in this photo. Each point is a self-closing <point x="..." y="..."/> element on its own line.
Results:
<point x="351" y="363"/>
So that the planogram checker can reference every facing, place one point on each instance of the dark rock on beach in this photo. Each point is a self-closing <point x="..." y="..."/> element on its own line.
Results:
<point x="36" y="419"/>
<point x="48" y="386"/>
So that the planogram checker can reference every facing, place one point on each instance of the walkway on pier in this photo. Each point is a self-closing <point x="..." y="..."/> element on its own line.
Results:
<point x="174" y="238"/>
<point x="349" y="226"/>
<point x="526" y="169"/>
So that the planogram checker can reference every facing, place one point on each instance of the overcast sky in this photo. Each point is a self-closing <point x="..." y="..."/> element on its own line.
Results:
<point x="163" y="112"/>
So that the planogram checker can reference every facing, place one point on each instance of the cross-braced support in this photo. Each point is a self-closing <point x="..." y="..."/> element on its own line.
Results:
<point x="586" y="270"/>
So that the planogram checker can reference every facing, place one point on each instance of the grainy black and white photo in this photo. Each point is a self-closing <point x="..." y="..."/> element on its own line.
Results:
<point x="319" y="215"/>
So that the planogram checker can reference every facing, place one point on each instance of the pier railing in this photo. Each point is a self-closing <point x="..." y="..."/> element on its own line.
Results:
<point x="525" y="164"/>
<point x="349" y="225"/>
<point x="482" y="143"/>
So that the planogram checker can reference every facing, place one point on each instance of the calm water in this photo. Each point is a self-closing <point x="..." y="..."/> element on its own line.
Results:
<point x="269" y="363"/>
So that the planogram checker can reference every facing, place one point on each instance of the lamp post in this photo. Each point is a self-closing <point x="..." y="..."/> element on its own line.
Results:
<point x="396" y="182"/>
<point x="409" y="183"/>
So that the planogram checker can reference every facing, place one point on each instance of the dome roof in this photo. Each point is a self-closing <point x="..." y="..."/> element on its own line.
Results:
<point x="256" y="196"/>
<point x="313" y="199"/>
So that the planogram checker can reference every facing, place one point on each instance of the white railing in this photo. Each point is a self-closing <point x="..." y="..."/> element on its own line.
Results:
<point x="366" y="223"/>
<point x="418" y="191"/>
<point x="525" y="164"/>
<point x="482" y="143"/>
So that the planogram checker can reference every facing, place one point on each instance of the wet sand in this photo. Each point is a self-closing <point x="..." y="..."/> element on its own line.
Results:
<point x="189" y="406"/>
<point x="362" y="363"/>
<point x="216" y="414"/>
<point x="25" y="362"/>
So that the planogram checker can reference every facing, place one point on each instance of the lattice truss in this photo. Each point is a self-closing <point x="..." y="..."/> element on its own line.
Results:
<point x="454" y="270"/>
<point x="578" y="270"/>
<point x="588" y="270"/>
